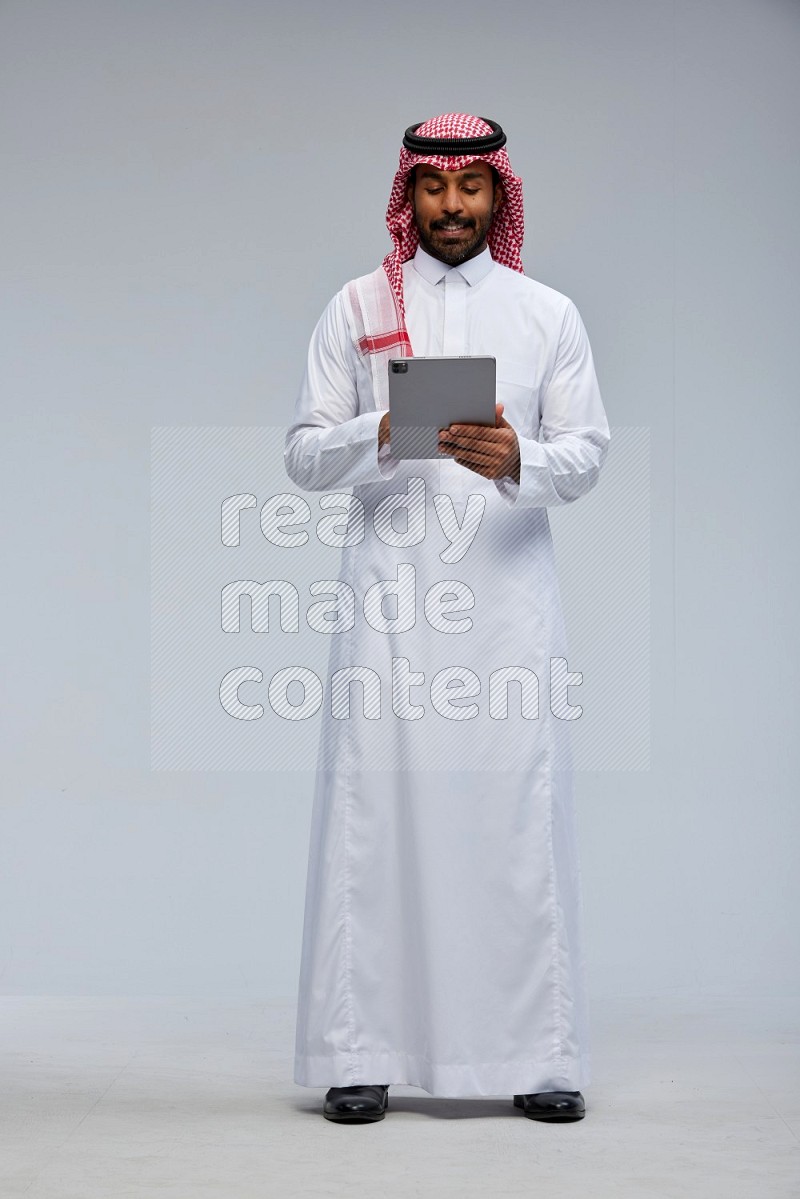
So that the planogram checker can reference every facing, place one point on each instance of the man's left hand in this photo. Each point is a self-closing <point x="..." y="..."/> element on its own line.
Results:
<point x="491" y="452"/>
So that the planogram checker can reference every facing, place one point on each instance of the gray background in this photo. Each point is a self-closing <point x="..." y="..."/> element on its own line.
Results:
<point x="184" y="187"/>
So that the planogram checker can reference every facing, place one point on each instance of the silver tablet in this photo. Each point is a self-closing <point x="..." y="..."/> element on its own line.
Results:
<point x="428" y="394"/>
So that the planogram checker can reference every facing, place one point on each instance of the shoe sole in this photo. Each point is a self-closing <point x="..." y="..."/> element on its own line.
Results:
<point x="356" y="1117"/>
<point x="555" y="1118"/>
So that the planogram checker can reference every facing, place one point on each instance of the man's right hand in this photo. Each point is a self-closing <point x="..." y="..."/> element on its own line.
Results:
<point x="383" y="430"/>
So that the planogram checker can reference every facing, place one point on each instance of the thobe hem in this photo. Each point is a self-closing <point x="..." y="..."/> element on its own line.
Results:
<point x="525" y="1076"/>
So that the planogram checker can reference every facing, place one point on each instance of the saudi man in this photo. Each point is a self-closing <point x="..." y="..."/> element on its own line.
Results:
<point x="442" y="938"/>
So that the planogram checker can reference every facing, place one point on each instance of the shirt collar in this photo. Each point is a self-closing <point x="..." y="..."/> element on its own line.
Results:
<point x="473" y="270"/>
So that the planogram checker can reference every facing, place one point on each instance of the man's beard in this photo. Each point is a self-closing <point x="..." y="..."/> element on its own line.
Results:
<point x="450" y="252"/>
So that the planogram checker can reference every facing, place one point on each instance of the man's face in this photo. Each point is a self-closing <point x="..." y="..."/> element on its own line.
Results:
<point x="453" y="209"/>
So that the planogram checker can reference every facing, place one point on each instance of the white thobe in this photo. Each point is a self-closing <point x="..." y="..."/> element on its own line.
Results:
<point x="442" y="938"/>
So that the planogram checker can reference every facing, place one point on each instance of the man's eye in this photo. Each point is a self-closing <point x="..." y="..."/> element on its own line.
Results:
<point x="471" y="191"/>
<point x="432" y="190"/>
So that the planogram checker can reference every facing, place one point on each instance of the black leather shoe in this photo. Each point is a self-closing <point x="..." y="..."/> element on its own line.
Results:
<point x="552" y="1105"/>
<point x="356" y="1105"/>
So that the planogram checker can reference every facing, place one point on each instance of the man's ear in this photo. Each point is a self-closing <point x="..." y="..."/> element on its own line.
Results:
<point x="410" y="193"/>
<point x="499" y="196"/>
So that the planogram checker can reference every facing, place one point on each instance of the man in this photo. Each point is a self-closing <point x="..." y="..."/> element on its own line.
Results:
<point x="442" y="935"/>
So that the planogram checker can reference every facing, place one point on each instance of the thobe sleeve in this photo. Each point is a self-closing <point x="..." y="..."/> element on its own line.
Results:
<point x="331" y="444"/>
<point x="574" y="432"/>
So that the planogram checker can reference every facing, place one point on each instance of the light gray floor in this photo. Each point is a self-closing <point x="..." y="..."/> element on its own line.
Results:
<point x="164" y="1097"/>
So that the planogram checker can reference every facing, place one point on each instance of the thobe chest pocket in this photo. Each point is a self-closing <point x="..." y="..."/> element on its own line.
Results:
<point x="518" y="391"/>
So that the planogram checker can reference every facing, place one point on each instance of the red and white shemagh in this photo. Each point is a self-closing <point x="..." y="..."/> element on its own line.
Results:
<point x="507" y="228"/>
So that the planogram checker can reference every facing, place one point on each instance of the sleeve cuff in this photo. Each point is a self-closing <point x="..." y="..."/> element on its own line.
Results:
<point x="373" y="464"/>
<point x="556" y="472"/>
<point x="387" y="463"/>
<point x="508" y="487"/>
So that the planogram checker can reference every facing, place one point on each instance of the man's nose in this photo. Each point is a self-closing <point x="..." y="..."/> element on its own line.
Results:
<point x="452" y="203"/>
